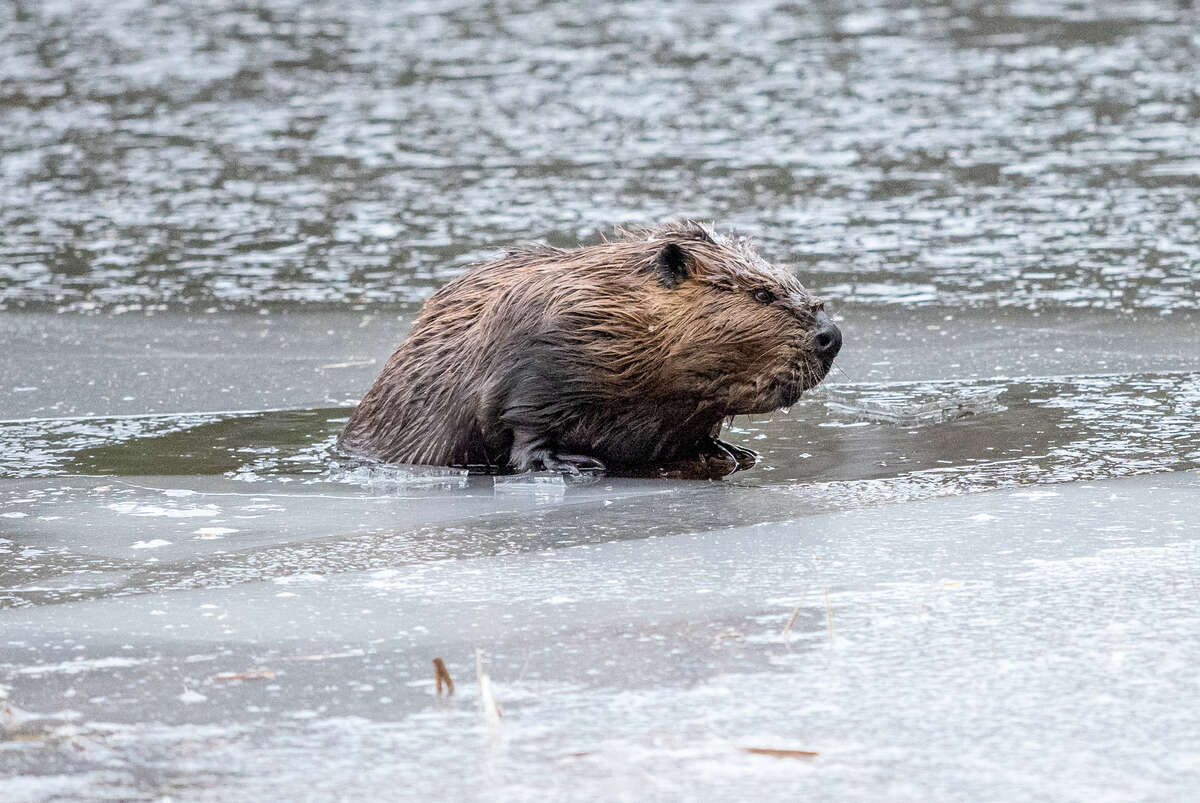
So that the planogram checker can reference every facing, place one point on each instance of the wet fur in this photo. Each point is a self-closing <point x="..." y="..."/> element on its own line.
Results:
<point x="630" y="352"/>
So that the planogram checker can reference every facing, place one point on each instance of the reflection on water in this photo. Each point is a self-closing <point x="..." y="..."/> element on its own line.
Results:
<point x="235" y="154"/>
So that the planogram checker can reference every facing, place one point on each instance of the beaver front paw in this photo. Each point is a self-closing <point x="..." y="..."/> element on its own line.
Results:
<point x="574" y="464"/>
<point x="717" y="458"/>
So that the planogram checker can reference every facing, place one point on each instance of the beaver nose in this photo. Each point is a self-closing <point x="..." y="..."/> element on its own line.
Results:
<point x="828" y="338"/>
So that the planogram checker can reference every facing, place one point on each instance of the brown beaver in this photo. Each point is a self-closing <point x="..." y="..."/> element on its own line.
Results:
<point x="623" y="356"/>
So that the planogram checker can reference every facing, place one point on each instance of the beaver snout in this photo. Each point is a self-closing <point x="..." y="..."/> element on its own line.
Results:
<point x="827" y="338"/>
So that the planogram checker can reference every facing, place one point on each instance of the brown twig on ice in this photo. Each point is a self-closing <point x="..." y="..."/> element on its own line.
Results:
<point x="442" y="676"/>
<point x="777" y="753"/>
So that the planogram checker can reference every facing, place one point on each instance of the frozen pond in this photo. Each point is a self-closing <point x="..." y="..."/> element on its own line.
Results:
<point x="965" y="568"/>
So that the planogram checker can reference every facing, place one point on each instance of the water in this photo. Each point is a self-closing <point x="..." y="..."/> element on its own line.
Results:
<point x="964" y="569"/>
<point x="241" y="154"/>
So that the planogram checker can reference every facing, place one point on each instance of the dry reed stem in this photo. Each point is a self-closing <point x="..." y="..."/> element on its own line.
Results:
<point x="442" y="676"/>
<point x="778" y="753"/>
<point x="487" y="698"/>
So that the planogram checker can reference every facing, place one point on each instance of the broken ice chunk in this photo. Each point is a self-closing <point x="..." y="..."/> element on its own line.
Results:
<point x="914" y="405"/>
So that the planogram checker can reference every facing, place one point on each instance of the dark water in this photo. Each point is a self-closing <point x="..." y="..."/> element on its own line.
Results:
<point x="1075" y="429"/>
<point x="964" y="569"/>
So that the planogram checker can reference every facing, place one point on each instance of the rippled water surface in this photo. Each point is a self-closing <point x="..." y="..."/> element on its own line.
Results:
<point x="965" y="568"/>
<point x="236" y="154"/>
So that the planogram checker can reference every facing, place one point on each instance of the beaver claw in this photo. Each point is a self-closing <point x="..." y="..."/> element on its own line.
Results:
<point x="742" y="457"/>
<point x="573" y="464"/>
<point x="716" y="459"/>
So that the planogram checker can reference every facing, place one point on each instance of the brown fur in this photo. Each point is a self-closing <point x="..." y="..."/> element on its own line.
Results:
<point x="629" y="353"/>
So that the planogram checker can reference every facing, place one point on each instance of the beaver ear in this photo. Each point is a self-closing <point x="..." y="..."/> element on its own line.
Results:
<point x="672" y="265"/>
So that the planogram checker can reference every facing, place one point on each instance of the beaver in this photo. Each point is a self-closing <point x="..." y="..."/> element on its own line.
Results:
<point x="623" y="357"/>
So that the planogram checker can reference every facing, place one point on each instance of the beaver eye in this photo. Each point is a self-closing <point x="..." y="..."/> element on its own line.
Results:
<point x="764" y="296"/>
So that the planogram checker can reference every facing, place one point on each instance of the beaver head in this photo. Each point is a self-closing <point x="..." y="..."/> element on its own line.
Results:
<point x="731" y="327"/>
